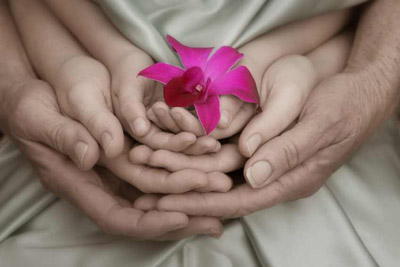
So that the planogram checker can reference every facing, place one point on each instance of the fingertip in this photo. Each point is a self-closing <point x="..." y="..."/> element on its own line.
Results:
<point x="112" y="144"/>
<point x="225" y="120"/>
<point x="140" y="154"/>
<point x="189" y="180"/>
<point x="199" y="178"/>
<point x="158" y="158"/>
<point x="222" y="182"/>
<point x="217" y="147"/>
<point x="180" y="220"/>
<point x="184" y="140"/>
<point x="146" y="202"/>
<point x="248" y="144"/>
<point x="258" y="174"/>
<point x="217" y="182"/>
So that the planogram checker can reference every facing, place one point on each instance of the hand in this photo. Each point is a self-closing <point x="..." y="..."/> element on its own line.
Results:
<point x="338" y="117"/>
<point x="31" y="117"/>
<point x="259" y="55"/>
<point x="130" y="95"/>
<point x="84" y="93"/>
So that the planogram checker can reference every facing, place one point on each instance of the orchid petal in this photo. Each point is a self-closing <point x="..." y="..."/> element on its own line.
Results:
<point x="209" y="113"/>
<point x="175" y="94"/>
<point x="238" y="82"/>
<point x="161" y="72"/>
<point x="190" y="56"/>
<point x="221" y="62"/>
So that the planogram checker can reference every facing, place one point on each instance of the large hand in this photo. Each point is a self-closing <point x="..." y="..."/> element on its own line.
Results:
<point x="30" y="116"/>
<point x="338" y="117"/>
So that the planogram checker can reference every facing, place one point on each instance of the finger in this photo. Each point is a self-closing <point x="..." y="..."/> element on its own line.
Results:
<point x="140" y="154"/>
<point x="85" y="102"/>
<point x="129" y="102"/>
<point x="204" y="144"/>
<point x="147" y="202"/>
<point x="288" y="150"/>
<point x="230" y="106"/>
<point x="162" y="112"/>
<point x="85" y="191"/>
<point x="91" y="27"/>
<point x="155" y="180"/>
<point x="61" y="133"/>
<point x="187" y="121"/>
<point x="217" y="181"/>
<point x="226" y="160"/>
<point x="241" y="119"/>
<point x="81" y="83"/>
<point x="157" y="139"/>
<point x="153" y="118"/>
<point x="196" y="226"/>
<point x="285" y="87"/>
<point x="302" y="181"/>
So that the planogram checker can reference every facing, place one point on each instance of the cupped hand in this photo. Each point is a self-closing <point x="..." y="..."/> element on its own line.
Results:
<point x="131" y="95"/>
<point x="259" y="55"/>
<point x="338" y="117"/>
<point x="31" y="117"/>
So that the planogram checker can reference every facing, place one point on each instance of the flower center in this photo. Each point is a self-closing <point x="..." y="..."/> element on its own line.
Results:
<point x="199" y="88"/>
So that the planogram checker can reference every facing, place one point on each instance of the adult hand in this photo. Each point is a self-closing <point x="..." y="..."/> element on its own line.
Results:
<point x="32" y="119"/>
<point x="338" y="117"/>
<point x="260" y="55"/>
<point x="29" y="114"/>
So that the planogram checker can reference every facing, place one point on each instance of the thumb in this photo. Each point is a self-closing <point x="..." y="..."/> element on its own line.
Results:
<point x="284" y="90"/>
<point x="70" y="138"/>
<point x="61" y="133"/>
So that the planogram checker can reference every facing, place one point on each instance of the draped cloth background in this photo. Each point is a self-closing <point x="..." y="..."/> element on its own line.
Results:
<point x="352" y="221"/>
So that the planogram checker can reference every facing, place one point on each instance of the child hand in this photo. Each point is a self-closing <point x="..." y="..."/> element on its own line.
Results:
<point x="284" y="91"/>
<point x="129" y="95"/>
<point x="259" y="55"/>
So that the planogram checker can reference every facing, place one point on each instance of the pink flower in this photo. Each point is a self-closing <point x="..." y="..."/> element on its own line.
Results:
<point x="203" y="79"/>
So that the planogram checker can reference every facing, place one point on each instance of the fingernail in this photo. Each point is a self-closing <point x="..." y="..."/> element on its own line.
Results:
<point x="215" y="233"/>
<point x="258" y="173"/>
<point x="178" y="226"/>
<point x="80" y="152"/>
<point x="139" y="126"/>
<point x="106" y="142"/>
<point x="253" y="143"/>
<point x="225" y="119"/>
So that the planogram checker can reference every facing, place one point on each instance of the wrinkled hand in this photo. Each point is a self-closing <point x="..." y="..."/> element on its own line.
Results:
<point x="338" y="117"/>
<point x="31" y="117"/>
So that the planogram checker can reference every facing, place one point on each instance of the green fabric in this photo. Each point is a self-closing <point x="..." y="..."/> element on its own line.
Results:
<point x="207" y="22"/>
<point x="352" y="221"/>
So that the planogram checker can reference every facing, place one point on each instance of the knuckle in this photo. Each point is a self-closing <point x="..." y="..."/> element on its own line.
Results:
<point x="291" y="154"/>
<point x="58" y="133"/>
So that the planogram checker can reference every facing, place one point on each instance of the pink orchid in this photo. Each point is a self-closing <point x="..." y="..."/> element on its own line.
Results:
<point x="203" y="79"/>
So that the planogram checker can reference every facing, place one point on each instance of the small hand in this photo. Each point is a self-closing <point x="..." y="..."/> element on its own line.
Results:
<point x="131" y="95"/>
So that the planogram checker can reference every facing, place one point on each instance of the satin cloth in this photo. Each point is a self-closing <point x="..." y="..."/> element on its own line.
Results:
<point x="353" y="220"/>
